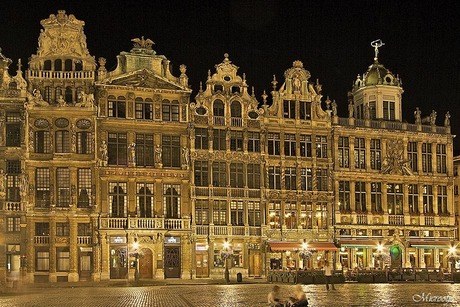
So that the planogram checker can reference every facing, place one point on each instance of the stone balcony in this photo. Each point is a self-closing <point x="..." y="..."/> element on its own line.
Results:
<point x="47" y="74"/>
<point x="225" y="230"/>
<point x="144" y="223"/>
<point x="12" y="206"/>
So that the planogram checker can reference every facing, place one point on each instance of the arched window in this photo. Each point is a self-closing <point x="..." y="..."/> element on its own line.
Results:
<point x="218" y="88"/>
<point x="235" y="89"/>
<point x="47" y="65"/>
<point x="68" y="94"/>
<point x="218" y="108"/>
<point x="78" y="65"/>
<point x="57" y="65"/>
<point x="68" y="65"/>
<point x="78" y="96"/>
<point x="47" y="94"/>
<point x="235" y="109"/>
<point x="57" y="92"/>
<point x="13" y="86"/>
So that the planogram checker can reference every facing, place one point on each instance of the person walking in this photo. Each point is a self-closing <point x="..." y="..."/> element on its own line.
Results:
<point x="328" y="275"/>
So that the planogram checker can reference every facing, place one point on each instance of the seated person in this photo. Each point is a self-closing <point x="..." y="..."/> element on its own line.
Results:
<point x="273" y="297"/>
<point x="299" y="299"/>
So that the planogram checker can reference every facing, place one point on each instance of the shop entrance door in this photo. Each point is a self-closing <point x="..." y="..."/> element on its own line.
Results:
<point x="172" y="262"/>
<point x="202" y="267"/>
<point x="146" y="264"/>
<point x="118" y="263"/>
<point x="255" y="259"/>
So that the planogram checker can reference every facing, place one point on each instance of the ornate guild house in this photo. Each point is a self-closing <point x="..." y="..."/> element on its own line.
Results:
<point x="109" y="175"/>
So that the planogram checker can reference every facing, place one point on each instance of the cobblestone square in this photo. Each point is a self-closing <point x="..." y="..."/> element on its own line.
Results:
<point x="207" y="295"/>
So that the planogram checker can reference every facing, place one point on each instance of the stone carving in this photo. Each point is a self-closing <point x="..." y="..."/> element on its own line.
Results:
<point x="417" y="115"/>
<point x="132" y="152"/>
<point x="447" y="119"/>
<point x="2" y="181"/>
<point x="142" y="43"/>
<point x="351" y="109"/>
<point x="185" y="156"/>
<point x="35" y="99"/>
<point x="104" y="153"/>
<point x="394" y="162"/>
<point x="87" y="100"/>
<point x="23" y="183"/>
<point x="158" y="152"/>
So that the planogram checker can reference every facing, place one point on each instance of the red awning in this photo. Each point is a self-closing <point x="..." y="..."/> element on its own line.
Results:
<point x="279" y="246"/>
<point x="430" y="244"/>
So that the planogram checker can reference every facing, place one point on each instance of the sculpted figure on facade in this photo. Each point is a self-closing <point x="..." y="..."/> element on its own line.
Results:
<point x="418" y="116"/>
<point x="185" y="156"/>
<point x="2" y="181"/>
<point x="433" y="117"/>
<point x="158" y="152"/>
<point x="132" y="152"/>
<point x="23" y="183"/>
<point x="351" y="109"/>
<point x="447" y="119"/>
<point x="35" y="99"/>
<point x="104" y="153"/>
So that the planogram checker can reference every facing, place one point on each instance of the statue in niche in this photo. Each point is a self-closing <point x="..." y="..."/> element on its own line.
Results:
<point x="2" y="181"/>
<point x="185" y="155"/>
<point x="132" y="152"/>
<point x="61" y="102"/>
<point x="158" y="152"/>
<point x="104" y="152"/>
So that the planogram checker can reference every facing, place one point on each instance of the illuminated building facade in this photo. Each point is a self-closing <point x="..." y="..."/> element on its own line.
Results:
<point x="119" y="175"/>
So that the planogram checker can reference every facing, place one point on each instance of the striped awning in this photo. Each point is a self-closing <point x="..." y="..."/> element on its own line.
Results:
<point x="430" y="244"/>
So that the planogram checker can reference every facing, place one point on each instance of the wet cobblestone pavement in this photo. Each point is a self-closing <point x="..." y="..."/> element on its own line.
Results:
<point x="207" y="295"/>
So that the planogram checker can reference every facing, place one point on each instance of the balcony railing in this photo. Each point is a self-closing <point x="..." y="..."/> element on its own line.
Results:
<point x="219" y="120"/>
<point x="396" y="219"/>
<point x="219" y="230"/>
<point x="361" y="219"/>
<point x="221" y="191"/>
<point x="429" y="220"/>
<point x="12" y="206"/>
<point x="144" y="223"/>
<point x="42" y="240"/>
<point x="59" y="74"/>
<point x="237" y="121"/>
<point x="84" y="240"/>
<point x="395" y="125"/>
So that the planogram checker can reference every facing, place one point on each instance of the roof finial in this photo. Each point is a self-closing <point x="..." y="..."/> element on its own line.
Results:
<point x="264" y="97"/>
<point x="377" y="44"/>
<point x="274" y="83"/>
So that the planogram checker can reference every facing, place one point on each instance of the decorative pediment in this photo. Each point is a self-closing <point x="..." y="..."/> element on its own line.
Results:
<point x="144" y="79"/>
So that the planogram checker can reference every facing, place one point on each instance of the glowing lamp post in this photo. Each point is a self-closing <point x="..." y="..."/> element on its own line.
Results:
<point x="135" y="254"/>
<point x="226" y="253"/>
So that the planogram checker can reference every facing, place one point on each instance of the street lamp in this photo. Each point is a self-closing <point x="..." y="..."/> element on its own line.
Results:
<point x="226" y="253"/>
<point x="136" y="257"/>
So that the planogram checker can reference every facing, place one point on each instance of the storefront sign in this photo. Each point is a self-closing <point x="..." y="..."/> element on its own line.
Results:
<point x="172" y="240"/>
<point x="117" y="240"/>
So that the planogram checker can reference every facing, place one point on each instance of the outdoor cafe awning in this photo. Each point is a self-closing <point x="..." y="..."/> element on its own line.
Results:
<point x="280" y="246"/>
<point x="431" y="244"/>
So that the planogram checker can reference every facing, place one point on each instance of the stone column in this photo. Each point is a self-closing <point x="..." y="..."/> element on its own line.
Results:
<point x="105" y="257"/>
<point x="73" y="274"/>
<point x="422" y="257"/>
<point x="30" y="252"/>
<point x="52" y="246"/>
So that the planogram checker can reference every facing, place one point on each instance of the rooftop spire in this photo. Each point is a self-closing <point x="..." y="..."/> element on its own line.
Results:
<point x="377" y="44"/>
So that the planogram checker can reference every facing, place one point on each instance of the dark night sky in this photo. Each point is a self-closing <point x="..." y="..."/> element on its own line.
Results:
<point x="331" y="38"/>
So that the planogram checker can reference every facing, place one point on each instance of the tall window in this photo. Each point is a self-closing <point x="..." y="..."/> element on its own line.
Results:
<point x="219" y="212"/>
<point x="321" y="147"/>
<point x="427" y="158"/>
<point x="254" y="215"/>
<point x="321" y="215"/>
<point x="441" y="158"/>
<point x="321" y="179"/>
<point x="219" y="139"/>
<point x="376" y="154"/>
<point x="344" y="196"/>
<point x="47" y="94"/>
<point x="170" y="110"/>
<point x="274" y="144"/>
<point x="395" y="197"/>
<point x="344" y="151"/>
<point x="305" y="146"/>
<point x="413" y="198"/>
<point x="117" y="149"/>
<point x="42" y="229"/>
<point x="305" y="110"/>
<point x="144" y="150"/>
<point x="58" y="92"/>
<point x="306" y="215"/>
<point x="389" y="110"/>
<point x="360" y="153"/>
<point x="376" y="197"/>
<point x="171" y="150"/>
<point x="274" y="177"/>
<point x="85" y="142"/>
<point x="144" y="110"/>
<point x="42" y="142"/>
<point x="218" y="112"/>
<point x="202" y="212"/>
<point x="360" y="196"/>
<point x="144" y="199"/>
<point x="290" y="178"/>
<point x="274" y="215"/>
<point x="62" y="229"/>
<point x="289" y="109"/>
<point x="236" y="175"/>
<point x="84" y="229"/>
<point x="13" y="129"/>
<point x="289" y="145"/>
<point x="412" y="155"/>
<point x="201" y="173"/>
<point x="219" y="174"/>
<point x="171" y="200"/>
<point x="117" y="106"/>
<point x="236" y="140"/>
<point x="372" y="110"/>
<point x="13" y="169"/>
<point x="13" y="224"/>
<point x="235" y="113"/>
<point x="201" y="138"/>
<point x="253" y="141"/>
<point x="42" y="260"/>
<point x="253" y="174"/>
<point x="63" y="187"/>
<point x="68" y="94"/>
<point x="62" y="259"/>
<point x="442" y="199"/>
<point x="85" y="189"/>
<point x="306" y="179"/>
<point x="62" y="141"/>
<point x="428" y="199"/>
<point x="237" y="212"/>
<point x="290" y="215"/>
<point x="42" y="189"/>
<point x="118" y="199"/>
